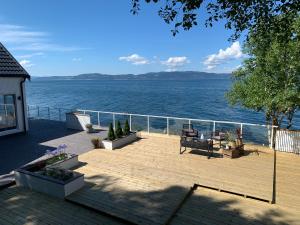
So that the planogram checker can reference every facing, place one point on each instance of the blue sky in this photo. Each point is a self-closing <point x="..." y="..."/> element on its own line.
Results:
<point x="70" y="37"/>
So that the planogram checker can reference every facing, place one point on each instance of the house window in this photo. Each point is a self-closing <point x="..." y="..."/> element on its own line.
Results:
<point x="8" y="118"/>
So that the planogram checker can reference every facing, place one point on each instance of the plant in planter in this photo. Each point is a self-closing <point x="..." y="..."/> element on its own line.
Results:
<point x="96" y="142"/>
<point x="58" y="174"/>
<point x="111" y="134"/>
<point x="231" y="139"/>
<point x="119" y="131"/>
<point x="89" y="128"/>
<point x="126" y="128"/>
<point x="120" y="137"/>
<point x="56" y="155"/>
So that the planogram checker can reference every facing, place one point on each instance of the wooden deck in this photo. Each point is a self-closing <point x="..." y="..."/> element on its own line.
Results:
<point x="146" y="182"/>
<point x="206" y="207"/>
<point x="157" y="160"/>
<point x="19" y="206"/>
<point x="130" y="179"/>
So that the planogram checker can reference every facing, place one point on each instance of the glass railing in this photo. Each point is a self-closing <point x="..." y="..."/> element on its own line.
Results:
<point x="251" y="133"/>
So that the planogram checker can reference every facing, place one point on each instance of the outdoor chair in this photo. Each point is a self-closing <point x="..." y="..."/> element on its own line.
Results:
<point x="189" y="131"/>
<point x="218" y="136"/>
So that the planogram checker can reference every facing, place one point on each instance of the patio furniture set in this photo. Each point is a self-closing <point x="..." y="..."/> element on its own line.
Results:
<point x="190" y="138"/>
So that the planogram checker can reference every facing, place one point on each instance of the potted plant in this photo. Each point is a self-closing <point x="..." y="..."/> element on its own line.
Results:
<point x="120" y="137"/>
<point x="111" y="133"/>
<point x="59" y="158"/>
<point x="54" y="181"/>
<point x="231" y="139"/>
<point x="96" y="142"/>
<point x="89" y="128"/>
<point x="119" y="131"/>
<point x="126" y="128"/>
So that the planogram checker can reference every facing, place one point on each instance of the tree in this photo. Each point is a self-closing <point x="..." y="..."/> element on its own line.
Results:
<point x="269" y="79"/>
<point x="111" y="134"/>
<point x="119" y="131"/>
<point x="239" y="15"/>
<point x="126" y="128"/>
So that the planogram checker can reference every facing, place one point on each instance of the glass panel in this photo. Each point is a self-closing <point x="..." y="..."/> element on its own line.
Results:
<point x="175" y="126"/>
<point x="158" y="125"/>
<point x="139" y="123"/>
<point x="203" y="127"/>
<point x="256" y="135"/>
<point x="227" y="127"/>
<point x="7" y="112"/>
<point x="122" y="119"/>
<point x="105" y="119"/>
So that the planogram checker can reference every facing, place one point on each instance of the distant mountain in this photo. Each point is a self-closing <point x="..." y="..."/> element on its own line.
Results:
<point x="177" y="75"/>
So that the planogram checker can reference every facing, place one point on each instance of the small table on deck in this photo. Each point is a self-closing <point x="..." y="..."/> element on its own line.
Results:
<point x="230" y="153"/>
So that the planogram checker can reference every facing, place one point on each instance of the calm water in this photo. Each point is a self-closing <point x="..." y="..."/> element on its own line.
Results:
<point x="202" y="99"/>
<point x="194" y="99"/>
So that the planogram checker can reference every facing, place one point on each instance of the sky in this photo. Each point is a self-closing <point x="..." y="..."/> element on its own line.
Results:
<point x="70" y="37"/>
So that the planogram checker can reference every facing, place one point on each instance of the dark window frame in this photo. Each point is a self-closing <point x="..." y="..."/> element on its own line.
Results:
<point x="15" y="111"/>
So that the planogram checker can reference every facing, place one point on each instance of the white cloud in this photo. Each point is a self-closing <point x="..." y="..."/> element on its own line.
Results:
<point x="26" y="63"/>
<point x="23" y="38"/>
<point x="224" y="56"/>
<point x="76" y="59"/>
<point x="135" y="59"/>
<point x="19" y="35"/>
<point x="174" y="62"/>
<point x="47" y="47"/>
<point x="27" y="56"/>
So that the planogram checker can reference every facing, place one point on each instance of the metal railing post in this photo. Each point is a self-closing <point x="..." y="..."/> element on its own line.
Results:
<point x="168" y="125"/>
<point x="49" y="113"/>
<point x="241" y="129"/>
<point x="214" y="128"/>
<point x="148" y="122"/>
<point x="130" y="122"/>
<point x="59" y="114"/>
<point x="38" y="111"/>
<point x="114" y="122"/>
<point x="189" y="124"/>
<point x="272" y="136"/>
<point x="98" y="118"/>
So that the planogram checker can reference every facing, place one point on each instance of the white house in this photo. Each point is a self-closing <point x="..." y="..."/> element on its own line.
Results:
<point x="13" y="115"/>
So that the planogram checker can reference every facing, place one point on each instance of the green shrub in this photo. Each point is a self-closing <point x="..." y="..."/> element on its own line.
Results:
<point x="126" y="128"/>
<point x="230" y="136"/>
<point x="111" y="134"/>
<point x="119" y="131"/>
<point x="96" y="142"/>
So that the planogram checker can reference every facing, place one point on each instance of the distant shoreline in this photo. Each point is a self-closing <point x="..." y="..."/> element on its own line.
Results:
<point x="178" y="75"/>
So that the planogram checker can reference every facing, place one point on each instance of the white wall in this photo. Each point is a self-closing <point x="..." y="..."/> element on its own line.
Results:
<point x="12" y="86"/>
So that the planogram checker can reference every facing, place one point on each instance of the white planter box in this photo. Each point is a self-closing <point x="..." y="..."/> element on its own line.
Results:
<point x="119" y="142"/>
<point x="77" y="121"/>
<point x="48" y="185"/>
<point x="66" y="164"/>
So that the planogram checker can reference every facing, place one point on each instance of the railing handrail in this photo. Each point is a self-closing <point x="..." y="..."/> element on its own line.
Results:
<point x="176" y="118"/>
<point x="156" y="116"/>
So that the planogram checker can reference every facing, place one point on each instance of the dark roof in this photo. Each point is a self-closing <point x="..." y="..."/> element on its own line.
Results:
<point x="9" y="66"/>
